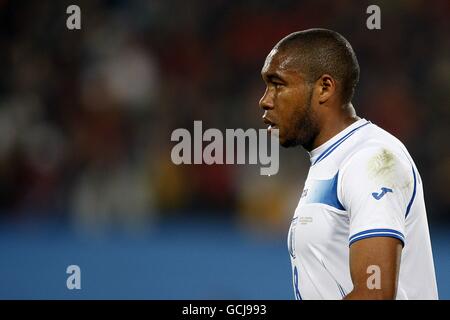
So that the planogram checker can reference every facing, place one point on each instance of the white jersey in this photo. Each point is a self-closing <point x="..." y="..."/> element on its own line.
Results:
<point x="362" y="183"/>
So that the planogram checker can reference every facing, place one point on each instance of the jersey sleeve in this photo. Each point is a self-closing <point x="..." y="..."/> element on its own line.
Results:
<point x="376" y="185"/>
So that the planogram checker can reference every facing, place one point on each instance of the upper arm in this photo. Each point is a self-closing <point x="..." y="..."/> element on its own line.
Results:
<point x="376" y="186"/>
<point x="374" y="267"/>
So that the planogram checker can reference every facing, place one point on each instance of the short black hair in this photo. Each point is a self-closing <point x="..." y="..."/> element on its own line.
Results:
<point x="322" y="51"/>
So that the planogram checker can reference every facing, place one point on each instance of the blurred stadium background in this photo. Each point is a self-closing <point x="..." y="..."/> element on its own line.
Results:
<point x="85" y="124"/>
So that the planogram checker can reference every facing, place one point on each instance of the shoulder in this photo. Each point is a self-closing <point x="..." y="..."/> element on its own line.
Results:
<point x="376" y="150"/>
<point x="377" y="164"/>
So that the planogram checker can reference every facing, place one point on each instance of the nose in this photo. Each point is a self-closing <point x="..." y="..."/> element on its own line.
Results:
<point x="266" y="101"/>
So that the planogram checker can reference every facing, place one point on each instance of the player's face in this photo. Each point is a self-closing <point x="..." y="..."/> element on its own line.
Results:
<point x="287" y="102"/>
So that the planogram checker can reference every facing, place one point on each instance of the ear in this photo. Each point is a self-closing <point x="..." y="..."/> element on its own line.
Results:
<point x="326" y="88"/>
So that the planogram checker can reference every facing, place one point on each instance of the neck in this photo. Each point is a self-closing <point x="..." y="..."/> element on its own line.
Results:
<point x="335" y="122"/>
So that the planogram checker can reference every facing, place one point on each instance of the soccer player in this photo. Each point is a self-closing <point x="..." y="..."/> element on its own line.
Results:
<point x="360" y="229"/>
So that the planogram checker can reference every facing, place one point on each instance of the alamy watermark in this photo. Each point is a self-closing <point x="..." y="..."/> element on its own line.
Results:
<point x="73" y="21"/>
<point x="374" y="20"/>
<point x="235" y="147"/>
<point x="374" y="280"/>
<point x="74" y="280"/>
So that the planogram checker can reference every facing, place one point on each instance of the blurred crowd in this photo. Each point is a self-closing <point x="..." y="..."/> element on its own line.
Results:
<point x="86" y="115"/>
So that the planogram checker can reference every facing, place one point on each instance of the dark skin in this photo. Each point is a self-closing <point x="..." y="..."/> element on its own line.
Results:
<point x="309" y="114"/>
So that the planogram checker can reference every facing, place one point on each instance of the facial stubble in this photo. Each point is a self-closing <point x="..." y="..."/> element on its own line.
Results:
<point x="305" y="126"/>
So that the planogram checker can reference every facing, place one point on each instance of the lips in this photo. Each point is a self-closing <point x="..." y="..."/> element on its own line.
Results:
<point x="270" y="123"/>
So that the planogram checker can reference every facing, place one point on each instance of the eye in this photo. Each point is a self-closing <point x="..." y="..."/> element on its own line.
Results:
<point x="278" y="84"/>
